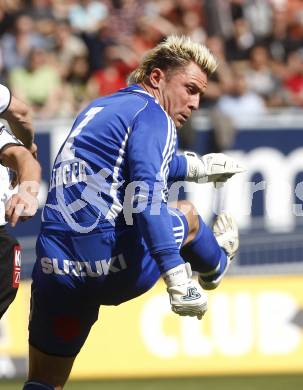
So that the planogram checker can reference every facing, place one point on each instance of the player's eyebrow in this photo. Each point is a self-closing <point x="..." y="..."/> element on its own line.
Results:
<point x="196" y="88"/>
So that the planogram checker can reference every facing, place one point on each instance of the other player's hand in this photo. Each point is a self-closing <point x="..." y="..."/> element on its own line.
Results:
<point x="212" y="167"/>
<point x="22" y="205"/>
<point x="186" y="296"/>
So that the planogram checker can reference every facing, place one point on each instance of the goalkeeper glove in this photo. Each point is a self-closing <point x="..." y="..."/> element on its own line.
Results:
<point x="212" y="167"/>
<point x="186" y="296"/>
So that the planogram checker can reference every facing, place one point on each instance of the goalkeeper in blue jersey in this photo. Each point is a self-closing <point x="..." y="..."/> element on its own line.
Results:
<point x="107" y="232"/>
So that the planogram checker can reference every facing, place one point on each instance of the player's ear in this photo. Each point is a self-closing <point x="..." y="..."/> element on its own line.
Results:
<point x="156" y="76"/>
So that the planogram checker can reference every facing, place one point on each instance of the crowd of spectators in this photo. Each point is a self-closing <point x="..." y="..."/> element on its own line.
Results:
<point x="56" y="55"/>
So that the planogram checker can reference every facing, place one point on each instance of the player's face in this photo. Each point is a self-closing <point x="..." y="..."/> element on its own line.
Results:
<point x="181" y="91"/>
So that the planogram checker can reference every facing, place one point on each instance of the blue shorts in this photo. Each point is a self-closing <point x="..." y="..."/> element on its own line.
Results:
<point x="76" y="273"/>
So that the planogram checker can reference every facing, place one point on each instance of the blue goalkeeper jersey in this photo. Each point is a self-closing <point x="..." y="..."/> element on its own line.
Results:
<point x="112" y="171"/>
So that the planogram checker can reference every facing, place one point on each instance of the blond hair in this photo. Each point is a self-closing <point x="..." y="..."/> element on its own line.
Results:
<point x="175" y="52"/>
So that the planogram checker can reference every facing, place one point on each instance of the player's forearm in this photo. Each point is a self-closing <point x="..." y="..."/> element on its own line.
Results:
<point x="31" y="173"/>
<point x="21" y="161"/>
<point x="24" y="204"/>
<point x="177" y="168"/>
<point x="157" y="231"/>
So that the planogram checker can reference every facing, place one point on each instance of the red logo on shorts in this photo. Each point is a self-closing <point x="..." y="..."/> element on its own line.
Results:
<point x="17" y="266"/>
<point x="67" y="327"/>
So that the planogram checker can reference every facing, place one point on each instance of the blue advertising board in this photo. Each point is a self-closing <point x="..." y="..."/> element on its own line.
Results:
<point x="267" y="199"/>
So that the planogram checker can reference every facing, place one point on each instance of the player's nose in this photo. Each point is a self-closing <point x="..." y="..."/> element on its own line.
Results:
<point x="194" y="102"/>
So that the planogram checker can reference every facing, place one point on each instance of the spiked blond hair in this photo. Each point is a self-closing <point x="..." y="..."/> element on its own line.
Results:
<point x="175" y="52"/>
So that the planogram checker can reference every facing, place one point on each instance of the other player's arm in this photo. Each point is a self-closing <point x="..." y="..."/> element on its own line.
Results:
<point x="24" y="203"/>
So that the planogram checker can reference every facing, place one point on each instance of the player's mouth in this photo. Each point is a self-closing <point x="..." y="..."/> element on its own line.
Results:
<point x="184" y="118"/>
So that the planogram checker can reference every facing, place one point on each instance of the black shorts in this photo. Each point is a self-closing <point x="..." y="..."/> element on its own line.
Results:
<point x="10" y="267"/>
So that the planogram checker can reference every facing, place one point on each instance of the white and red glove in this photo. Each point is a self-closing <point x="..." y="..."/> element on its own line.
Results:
<point x="186" y="296"/>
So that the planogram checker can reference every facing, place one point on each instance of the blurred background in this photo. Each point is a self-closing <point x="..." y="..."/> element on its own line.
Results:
<point x="58" y="55"/>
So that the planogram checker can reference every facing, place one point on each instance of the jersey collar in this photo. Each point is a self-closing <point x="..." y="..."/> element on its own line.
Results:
<point x="136" y="88"/>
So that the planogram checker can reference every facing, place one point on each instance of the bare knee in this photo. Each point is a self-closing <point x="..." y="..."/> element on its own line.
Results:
<point x="191" y="214"/>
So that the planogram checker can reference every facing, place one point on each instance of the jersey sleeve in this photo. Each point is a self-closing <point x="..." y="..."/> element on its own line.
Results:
<point x="150" y="151"/>
<point x="5" y="98"/>
<point x="7" y="138"/>
<point x="177" y="168"/>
